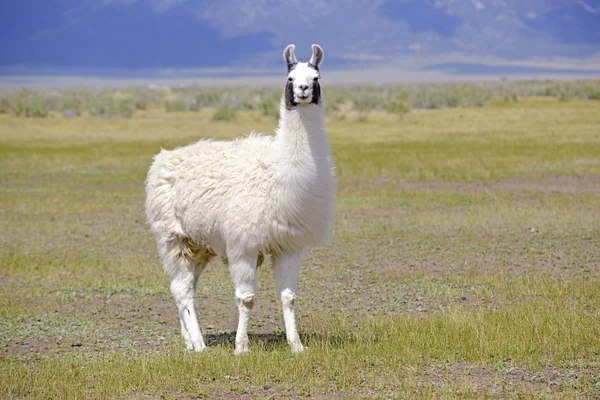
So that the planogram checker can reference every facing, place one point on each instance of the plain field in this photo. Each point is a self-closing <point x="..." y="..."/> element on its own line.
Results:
<point x="465" y="262"/>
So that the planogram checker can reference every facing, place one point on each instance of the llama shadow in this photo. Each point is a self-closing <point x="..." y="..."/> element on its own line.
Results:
<point x="272" y="341"/>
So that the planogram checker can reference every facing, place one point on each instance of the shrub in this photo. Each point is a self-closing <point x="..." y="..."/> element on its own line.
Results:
<point x="72" y="104"/>
<point x="433" y="103"/>
<point x="207" y="98"/>
<point x="332" y="105"/>
<point x="124" y="108"/>
<point x="108" y="107"/>
<point x="224" y="113"/>
<point x="399" y="105"/>
<point x="19" y="104"/>
<point x="269" y="109"/>
<point x="175" y="106"/>
<point x="594" y="95"/>
<point x="52" y="100"/>
<point x="511" y="98"/>
<point x="140" y="104"/>
<point x="36" y="108"/>
<point x="4" y="105"/>
<point x="363" y="115"/>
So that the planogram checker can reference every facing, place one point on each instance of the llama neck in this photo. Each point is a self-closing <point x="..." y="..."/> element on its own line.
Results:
<point x="301" y="138"/>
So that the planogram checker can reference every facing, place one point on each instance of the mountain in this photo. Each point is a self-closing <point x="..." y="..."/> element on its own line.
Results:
<point x="119" y="35"/>
<point x="138" y="34"/>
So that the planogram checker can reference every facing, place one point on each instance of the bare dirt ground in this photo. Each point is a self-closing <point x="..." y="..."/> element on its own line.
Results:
<point x="571" y="184"/>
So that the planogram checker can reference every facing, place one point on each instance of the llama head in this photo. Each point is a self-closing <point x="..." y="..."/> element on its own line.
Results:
<point x="302" y="87"/>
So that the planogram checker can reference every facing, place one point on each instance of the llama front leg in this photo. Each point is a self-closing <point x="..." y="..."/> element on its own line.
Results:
<point x="183" y="286"/>
<point x="243" y="273"/>
<point x="287" y="268"/>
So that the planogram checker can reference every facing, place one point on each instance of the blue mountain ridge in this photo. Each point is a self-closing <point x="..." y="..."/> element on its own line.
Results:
<point x="118" y="36"/>
<point x="132" y="34"/>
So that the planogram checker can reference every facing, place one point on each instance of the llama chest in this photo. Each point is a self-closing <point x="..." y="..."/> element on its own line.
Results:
<point x="304" y="211"/>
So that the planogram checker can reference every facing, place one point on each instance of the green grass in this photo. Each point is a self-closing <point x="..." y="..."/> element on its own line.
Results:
<point x="465" y="262"/>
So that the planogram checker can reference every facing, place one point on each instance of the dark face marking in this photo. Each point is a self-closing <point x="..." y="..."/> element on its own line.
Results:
<point x="316" y="90"/>
<point x="289" y="95"/>
<point x="291" y="67"/>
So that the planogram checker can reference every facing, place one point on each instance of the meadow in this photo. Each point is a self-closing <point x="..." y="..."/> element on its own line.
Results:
<point x="465" y="261"/>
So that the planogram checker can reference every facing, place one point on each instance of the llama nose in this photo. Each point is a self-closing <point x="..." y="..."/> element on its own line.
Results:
<point x="303" y="86"/>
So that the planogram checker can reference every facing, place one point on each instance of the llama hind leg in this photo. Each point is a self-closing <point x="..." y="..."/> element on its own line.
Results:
<point x="183" y="289"/>
<point x="184" y="272"/>
<point x="187" y="340"/>
<point x="243" y="273"/>
<point x="287" y="269"/>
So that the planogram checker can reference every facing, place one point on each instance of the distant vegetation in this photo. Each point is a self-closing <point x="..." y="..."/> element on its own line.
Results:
<point x="340" y="100"/>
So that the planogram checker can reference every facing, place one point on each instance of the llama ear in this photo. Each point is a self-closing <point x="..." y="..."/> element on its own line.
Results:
<point x="288" y="55"/>
<point x="317" y="55"/>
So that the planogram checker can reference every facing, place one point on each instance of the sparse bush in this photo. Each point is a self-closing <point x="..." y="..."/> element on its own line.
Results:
<point x="18" y="105"/>
<point x="206" y="98"/>
<point x="52" y="100"/>
<point x="140" y="104"/>
<point x="511" y="98"/>
<point x="73" y="104"/>
<point x="108" y="107"/>
<point x="124" y="108"/>
<point x="4" y="106"/>
<point x="29" y="104"/>
<point x="101" y="107"/>
<point x="433" y="103"/>
<point x="175" y="106"/>
<point x="37" y="108"/>
<point x="269" y="109"/>
<point x="332" y="106"/>
<point x="363" y="115"/>
<point x="224" y="113"/>
<point x="399" y="105"/>
<point x="594" y="95"/>
<point x="338" y="116"/>
<point x="363" y="104"/>
<point x="365" y="100"/>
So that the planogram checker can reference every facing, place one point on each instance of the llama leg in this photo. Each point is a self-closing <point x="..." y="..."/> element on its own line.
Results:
<point x="183" y="285"/>
<point x="243" y="273"/>
<point x="185" y="335"/>
<point x="287" y="268"/>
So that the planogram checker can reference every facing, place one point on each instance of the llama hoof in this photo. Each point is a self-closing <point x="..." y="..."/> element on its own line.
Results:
<point x="199" y="348"/>
<point x="241" y="349"/>
<point x="297" y="348"/>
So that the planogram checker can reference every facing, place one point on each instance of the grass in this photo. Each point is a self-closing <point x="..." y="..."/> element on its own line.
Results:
<point x="464" y="262"/>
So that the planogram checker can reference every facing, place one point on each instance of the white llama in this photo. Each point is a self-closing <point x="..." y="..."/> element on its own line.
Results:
<point x="243" y="199"/>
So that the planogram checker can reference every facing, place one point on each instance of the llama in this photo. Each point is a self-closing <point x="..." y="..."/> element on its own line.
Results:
<point x="244" y="199"/>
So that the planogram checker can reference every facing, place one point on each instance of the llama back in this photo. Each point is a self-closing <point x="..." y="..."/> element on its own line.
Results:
<point x="193" y="191"/>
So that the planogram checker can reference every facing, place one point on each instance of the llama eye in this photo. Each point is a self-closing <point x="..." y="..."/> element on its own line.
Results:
<point x="316" y="79"/>
<point x="290" y="79"/>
